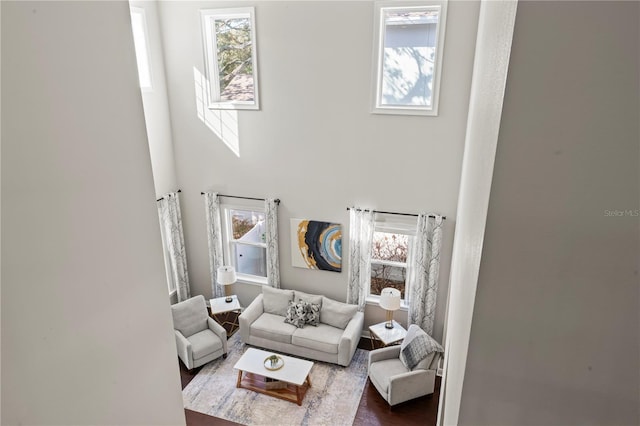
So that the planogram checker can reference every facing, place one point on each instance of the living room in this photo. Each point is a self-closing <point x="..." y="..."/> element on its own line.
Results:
<point x="87" y="267"/>
<point x="301" y="144"/>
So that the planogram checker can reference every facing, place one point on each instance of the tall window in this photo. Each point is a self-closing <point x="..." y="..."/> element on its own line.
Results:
<point x="141" y="44"/>
<point x="410" y="38"/>
<point x="244" y="242"/>
<point x="230" y="58"/>
<point x="389" y="252"/>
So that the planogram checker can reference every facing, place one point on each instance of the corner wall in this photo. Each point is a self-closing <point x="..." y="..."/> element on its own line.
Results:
<point x="86" y="325"/>
<point x="555" y="331"/>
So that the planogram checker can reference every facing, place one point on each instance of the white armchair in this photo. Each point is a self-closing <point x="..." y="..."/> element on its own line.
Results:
<point x="397" y="383"/>
<point x="199" y="339"/>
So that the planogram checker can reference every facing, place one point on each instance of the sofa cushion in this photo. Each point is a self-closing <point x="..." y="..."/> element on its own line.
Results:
<point x="296" y="313"/>
<point x="190" y="316"/>
<point x="204" y="343"/>
<point x="272" y="327"/>
<point x="336" y="314"/>
<point x="276" y="301"/>
<point x="309" y="298"/>
<point x="416" y="347"/>
<point x="381" y="372"/>
<point x="323" y="338"/>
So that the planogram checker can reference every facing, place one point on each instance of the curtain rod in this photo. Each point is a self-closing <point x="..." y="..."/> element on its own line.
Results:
<point x="277" y="200"/>
<point x="162" y="198"/>
<point x="399" y="214"/>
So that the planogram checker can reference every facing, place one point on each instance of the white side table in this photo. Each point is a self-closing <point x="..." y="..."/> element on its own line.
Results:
<point x="387" y="336"/>
<point x="219" y="307"/>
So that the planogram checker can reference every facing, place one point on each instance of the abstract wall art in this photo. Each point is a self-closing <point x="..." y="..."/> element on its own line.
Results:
<point x="316" y="245"/>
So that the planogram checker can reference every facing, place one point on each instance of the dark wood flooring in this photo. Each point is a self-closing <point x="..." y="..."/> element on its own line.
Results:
<point x="373" y="410"/>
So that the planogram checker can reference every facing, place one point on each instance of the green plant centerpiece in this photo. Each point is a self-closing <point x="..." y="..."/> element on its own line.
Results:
<point x="273" y="360"/>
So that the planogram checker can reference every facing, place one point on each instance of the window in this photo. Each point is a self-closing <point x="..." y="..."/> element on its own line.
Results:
<point x="410" y="38"/>
<point x="244" y="242"/>
<point x="141" y="44"/>
<point x="389" y="252"/>
<point x="230" y="58"/>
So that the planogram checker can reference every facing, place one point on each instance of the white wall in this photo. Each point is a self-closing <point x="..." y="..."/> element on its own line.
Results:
<point x="314" y="144"/>
<point x="86" y="325"/>
<point x="156" y="106"/>
<point x="555" y="331"/>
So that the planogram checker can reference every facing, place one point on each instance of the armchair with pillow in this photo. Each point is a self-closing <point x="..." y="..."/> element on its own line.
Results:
<point x="406" y="371"/>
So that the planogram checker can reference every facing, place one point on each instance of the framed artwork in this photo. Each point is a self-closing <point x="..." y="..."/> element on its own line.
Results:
<point x="316" y="245"/>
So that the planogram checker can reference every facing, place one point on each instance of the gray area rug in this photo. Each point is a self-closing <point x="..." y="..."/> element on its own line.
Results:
<point x="332" y="399"/>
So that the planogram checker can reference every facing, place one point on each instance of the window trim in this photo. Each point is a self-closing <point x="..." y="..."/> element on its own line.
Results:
<point x="378" y="33"/>
<point x="227" y="241"/>
<point x="211" y="63"/>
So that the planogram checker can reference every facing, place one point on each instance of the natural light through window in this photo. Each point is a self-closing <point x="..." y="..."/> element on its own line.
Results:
<point x="230" y="58"/>
<point x="140" y="40"/>
<point x="409" y="50"/>
<point x="389" y="251"/>
<point x="222" y="122"/>
<point x="245" y="244"/>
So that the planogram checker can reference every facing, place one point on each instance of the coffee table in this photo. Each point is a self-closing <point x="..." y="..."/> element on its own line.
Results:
<point x="293" y="376"/>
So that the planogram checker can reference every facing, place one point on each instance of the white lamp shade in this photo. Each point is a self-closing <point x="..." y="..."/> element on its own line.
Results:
<point x="390" y="299"/>
<point x="226" y="275"/>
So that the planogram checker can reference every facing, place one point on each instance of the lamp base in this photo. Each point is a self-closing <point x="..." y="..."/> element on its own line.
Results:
<point x="229" y="299"/>
<point x="388" y="325"/>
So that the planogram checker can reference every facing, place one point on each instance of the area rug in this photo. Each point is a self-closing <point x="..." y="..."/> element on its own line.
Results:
<point x="332" y="399"/>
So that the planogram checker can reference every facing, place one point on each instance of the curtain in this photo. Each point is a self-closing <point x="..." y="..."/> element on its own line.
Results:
<point x="173" y="243"/>
<point x="423" y="266"/>
<point x="271" y="238"/>
<point x="214" y="240"/>
<point x="360" y="235"/>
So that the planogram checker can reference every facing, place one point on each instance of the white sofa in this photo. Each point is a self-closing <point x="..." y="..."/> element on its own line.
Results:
<point x="333" y="340"/>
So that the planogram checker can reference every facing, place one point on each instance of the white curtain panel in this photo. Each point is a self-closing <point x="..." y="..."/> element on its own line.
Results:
<point x="271" y="238"/>
<point x="173" y="241"/>
<point x="423" y="267"/>
<point x="214" y="240"/>
<point x="361" y="226"/>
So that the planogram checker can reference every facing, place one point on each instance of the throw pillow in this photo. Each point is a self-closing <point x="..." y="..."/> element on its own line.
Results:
<point x="276" y="301"/>
<point x="295" y="314"/>
<point x="309" y="298"/>
<point x="417" y="346"/>
<point x="312" y="315"/>
<point x="336" y="314"/>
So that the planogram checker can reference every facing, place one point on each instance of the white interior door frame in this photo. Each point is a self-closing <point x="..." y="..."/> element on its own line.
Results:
<point x="493" y="48"/>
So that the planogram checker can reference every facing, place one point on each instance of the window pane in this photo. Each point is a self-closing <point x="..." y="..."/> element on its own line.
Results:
<point x="250" y="260"/>
<point x="139" y="27"/>
<point x="387" y="276"/>
<point x="235" y="66"/>
<point x="409" y="56"/>
<point x="248" y="226"/>
<point x="389" y="246"/>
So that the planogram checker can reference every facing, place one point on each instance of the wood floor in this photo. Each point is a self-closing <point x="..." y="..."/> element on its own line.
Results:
<point x="373" y="409"/>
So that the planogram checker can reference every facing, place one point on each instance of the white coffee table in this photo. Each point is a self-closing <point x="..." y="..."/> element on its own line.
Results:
<point x="294" y="375"/>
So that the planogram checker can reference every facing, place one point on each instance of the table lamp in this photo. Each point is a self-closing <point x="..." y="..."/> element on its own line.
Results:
<point x="226" y="275"/>
<point x="390" y="300"/>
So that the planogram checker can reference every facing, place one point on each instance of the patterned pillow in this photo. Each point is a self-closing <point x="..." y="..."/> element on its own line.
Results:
<point x="296" y="314"/>
<point x="416" y="346"/>
<point x="312" y="315"/>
